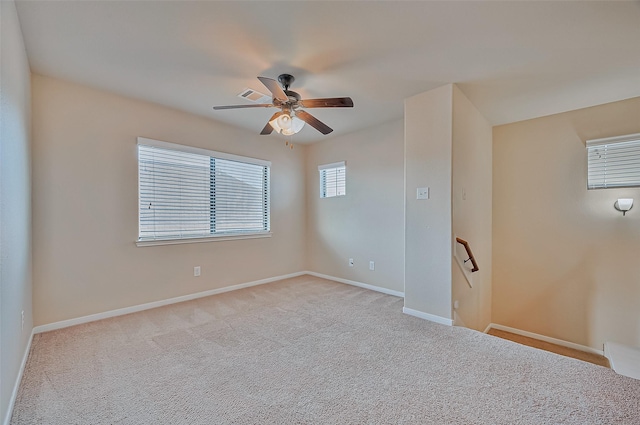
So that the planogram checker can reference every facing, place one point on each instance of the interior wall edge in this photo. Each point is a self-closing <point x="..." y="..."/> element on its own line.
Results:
<point x="16" y="385"/>
<point x="16" y="259"/>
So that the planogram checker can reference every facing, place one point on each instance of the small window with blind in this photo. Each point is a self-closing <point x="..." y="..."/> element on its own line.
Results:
<point x="187" y="193"/>
<point x="613" y="162"/>
<point x="333" y="179"/>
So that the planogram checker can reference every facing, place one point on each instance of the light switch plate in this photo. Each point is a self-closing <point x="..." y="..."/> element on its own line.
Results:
<point x="422" y="193"/>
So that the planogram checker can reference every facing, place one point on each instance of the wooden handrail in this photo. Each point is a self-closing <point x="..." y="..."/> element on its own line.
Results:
<point x="469" y="253"/>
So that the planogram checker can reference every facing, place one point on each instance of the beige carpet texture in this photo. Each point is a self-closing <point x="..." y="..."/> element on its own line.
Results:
<point x="306" y="351"/>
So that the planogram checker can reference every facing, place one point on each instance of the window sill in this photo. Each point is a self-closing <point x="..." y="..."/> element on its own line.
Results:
<point x="203" y="239"/>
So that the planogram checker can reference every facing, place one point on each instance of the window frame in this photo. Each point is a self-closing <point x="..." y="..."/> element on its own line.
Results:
<point x="630" y="140"/>
<point x="212" y="154"/>
<point x="331" y="166"/>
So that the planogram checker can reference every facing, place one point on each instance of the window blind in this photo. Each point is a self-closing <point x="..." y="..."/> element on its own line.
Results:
<point x="613" y="162"/>
<point x="187" y="192"/>
<point x="333" y="179"/>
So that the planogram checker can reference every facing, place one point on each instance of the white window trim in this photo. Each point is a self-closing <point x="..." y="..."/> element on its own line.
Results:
<point x="611" y="140"/>
<point x="200" y="151"/>
<point x="200" y="239"/>
<point x="212" y="238"/>
<point x="332" y="165"/>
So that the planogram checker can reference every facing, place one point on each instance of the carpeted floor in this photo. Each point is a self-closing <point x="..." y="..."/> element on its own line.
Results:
<point x="306" y="351"/>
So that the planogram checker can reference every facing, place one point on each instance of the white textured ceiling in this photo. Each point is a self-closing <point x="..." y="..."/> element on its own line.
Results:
<point x="514" y="60"/>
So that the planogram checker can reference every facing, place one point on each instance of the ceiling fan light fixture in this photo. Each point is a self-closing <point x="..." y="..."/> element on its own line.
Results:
<point x="286" y="124"/>
<point x="292" y="116"/>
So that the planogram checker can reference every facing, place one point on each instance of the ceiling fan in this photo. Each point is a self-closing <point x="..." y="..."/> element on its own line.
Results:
<point x="291" y="117"/>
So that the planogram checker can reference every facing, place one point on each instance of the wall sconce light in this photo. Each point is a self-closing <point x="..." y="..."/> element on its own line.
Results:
<point x="623" y="204"/>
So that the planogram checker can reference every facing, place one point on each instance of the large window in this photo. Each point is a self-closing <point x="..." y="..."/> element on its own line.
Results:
<point x="187" y="193"/>
<point x="333" y="179"/>
<point x="614" y="162"/>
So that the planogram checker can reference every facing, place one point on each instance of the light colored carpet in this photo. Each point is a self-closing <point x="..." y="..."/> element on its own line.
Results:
<point x="306" y="351"/>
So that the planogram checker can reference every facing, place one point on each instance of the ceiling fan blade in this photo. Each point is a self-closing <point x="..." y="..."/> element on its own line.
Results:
<point x="267" y="128"/>
<point x="314" y="122"/>
<point x="329" y="102"/>
<point x="274" y="88"/>
<point x="257" y="105"/>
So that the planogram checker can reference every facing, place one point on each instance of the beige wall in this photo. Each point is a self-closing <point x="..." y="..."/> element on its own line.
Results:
<point x="428" y="249"/>
<point x="564" y="261"/>
<point x="368" y="223"/>
<point x="85" y="219"/>
<point x="15" y="203"/>
<point x="471" y="198"/>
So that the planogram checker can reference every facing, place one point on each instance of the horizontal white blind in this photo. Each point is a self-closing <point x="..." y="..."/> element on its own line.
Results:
<point x="190" y="195"/>
<point x="613" y="162"/>
<point x="333" y="180"/>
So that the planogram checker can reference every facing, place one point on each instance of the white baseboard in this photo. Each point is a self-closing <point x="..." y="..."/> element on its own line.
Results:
<point x="457" y="320"/>
<point x="556" y="341"/>
<point x="359" y="284"/>
<point x="147" y="306"/>
<point x="427" y="316"/>
<point x="624" y="360"/>
<point x="16" y="386"/>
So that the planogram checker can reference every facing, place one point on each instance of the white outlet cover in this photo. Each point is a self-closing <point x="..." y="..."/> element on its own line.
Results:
<point x="196" y="271"/>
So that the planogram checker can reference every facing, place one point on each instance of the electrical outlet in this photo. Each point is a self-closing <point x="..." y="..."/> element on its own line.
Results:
<point x="22" y="323"/>
<point x="196" y="271"/>
<point x="350" y="262"/>
<point x="372" y="265"/>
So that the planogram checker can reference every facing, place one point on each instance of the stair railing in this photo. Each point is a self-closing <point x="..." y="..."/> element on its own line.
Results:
<point x="469" y="253"/>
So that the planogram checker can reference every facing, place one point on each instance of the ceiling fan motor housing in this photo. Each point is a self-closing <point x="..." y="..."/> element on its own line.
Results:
<point x="291" y="94"/>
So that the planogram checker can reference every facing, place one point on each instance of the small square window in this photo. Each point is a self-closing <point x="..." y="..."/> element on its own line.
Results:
<point x="613" y="162"/>
<point x="333" y="179"/>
